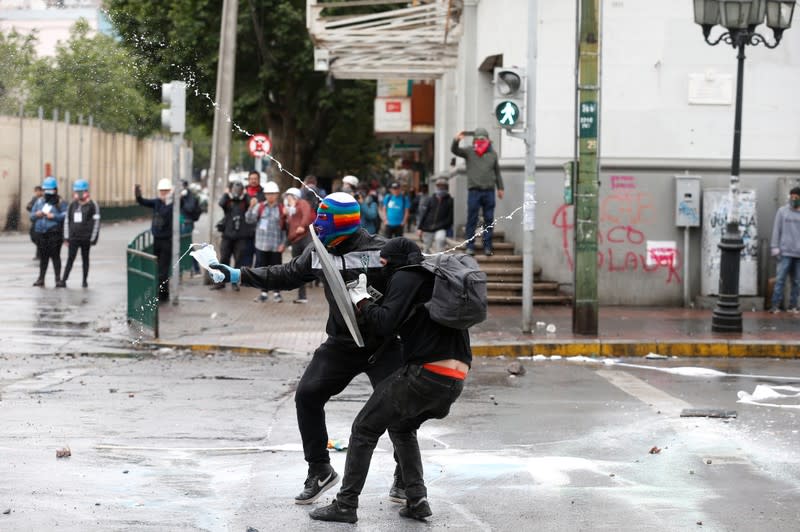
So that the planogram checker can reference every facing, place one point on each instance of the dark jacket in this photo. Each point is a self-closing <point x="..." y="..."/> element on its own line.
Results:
<point x="88" y="228"/>
<point x="162" y="215"/>
<point x="234" y="224"/>
<point x="435" y="212"/>
<point x="360" y="253"/>
<point x="401" y="311"/>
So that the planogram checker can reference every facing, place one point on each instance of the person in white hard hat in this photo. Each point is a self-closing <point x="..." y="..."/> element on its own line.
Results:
<point x="161" y="228"/>
<point x="349" y="184"/>
<point x="268" y="215"/>
<point x="298" y="215"/>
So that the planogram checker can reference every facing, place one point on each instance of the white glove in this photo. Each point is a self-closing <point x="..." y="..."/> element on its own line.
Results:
<point x="358" y="291"/>
<point x="776" y="252"/>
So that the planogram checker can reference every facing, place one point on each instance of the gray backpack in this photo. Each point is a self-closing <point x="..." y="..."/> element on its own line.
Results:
<point x="459" y="291"/>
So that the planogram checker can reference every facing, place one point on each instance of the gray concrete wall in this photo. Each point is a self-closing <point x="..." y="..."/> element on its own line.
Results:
<point x="637" y="205"/>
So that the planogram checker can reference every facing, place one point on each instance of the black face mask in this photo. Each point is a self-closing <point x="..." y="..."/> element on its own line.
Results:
<point x="399" y="252"/>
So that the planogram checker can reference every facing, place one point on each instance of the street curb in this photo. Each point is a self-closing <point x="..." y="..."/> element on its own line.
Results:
<point x="623" y="348"/>
<point x="238" y="349"/>
<point x="568" y="348"/>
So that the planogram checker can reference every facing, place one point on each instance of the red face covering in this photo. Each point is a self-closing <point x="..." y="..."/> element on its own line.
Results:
<point x="481" y="146"/>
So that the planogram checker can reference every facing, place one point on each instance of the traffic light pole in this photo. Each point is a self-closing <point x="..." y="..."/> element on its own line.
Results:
<point x="529" y="191"/>
<point x="585" y="308"/>
<point x="174" y="278"/>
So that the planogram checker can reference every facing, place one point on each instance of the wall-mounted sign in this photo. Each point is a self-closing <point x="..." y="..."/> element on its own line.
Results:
<point x="392" y="115"/>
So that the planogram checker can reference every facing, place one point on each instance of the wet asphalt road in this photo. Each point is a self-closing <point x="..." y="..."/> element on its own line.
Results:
<point x="173" y="441"/>
<point x="178" y="441"/>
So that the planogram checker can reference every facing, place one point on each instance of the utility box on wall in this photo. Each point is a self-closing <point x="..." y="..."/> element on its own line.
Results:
<point x="687" y="201"/>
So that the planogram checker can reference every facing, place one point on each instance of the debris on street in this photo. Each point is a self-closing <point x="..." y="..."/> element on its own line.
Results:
<point x="654" y="450"/>
<point x="63" y="453"/>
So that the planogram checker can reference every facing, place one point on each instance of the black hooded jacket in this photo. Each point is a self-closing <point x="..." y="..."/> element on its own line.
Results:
<point x="360" y="253"/>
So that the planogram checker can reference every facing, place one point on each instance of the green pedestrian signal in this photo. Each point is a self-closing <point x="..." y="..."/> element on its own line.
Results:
<point x="507" y="113"/>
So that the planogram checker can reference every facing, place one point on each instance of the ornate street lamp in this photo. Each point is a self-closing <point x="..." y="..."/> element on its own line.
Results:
<point x="740" y="18"/>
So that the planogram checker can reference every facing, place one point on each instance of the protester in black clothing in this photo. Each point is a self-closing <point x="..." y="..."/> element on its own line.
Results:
<point x="37" y="193"/>
<point x="338" y="360"/>
<point x="81" y="228"/>
<point x="237" y="234"/>
<point x="436" y="361"/>
<point x="161" y="229"/>
<point x="48" y="214"/>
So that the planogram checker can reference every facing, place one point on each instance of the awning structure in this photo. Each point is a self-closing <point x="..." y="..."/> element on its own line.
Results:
<point x="376" y="39"/>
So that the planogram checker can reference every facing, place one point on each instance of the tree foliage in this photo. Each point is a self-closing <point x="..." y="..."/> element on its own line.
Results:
<point x="94" y="75"/>
<point x="17" y="55"/>
<point x="316" y="124"/>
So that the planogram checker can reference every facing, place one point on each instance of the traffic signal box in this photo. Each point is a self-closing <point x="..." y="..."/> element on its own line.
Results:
<point x="174" y="95"/>
<point x="509" y="97"/>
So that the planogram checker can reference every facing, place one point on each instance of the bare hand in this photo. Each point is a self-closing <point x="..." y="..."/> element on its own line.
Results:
<point x="500" y="193"/>
<point x="39" y="214"/>
<point x="281" y="248"/>
<point x="253" y="201"/>
<point x="300" y="230"/>
<point x="49" y="215"/>
<point x="460" y="136"/>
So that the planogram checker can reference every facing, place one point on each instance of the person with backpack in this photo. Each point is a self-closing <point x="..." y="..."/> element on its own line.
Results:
<point x="339" y="359"/>
<point x="436" y="360"/>
<point x="47" y="215"/>
<point x="237" y="232"/>
<point x="270" y="238"/>
<point x="81" y="228"/>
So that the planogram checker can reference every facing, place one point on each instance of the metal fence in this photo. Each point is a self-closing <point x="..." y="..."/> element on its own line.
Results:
<point x="143" y="279"/>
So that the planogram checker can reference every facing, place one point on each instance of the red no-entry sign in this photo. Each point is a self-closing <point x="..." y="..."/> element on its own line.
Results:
<point x="259" y="145"/>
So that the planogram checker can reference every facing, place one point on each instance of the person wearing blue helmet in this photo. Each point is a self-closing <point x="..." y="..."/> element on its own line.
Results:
<point x="81" y="228"/>
<point x="47" y="215"/>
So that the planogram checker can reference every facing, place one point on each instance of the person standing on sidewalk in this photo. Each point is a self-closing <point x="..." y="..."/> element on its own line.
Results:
<point x="37" y="193"/>
<point x="436" y="215"/>
<point x="161" y="228"/>
<point x="81" y="228"/>
<point x="270" y="238"/>
<point x="394" y="211"/>
<point x="785" y="246"/>
<point x="436" y="362"/>
<point x="483" y="176"/>
<point x="237" y="233"/>
<point x="48" y="214"/>
<point x="298" y="216"/>
<point x="338" y="360"/>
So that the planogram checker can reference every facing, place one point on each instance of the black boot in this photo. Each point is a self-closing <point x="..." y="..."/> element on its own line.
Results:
<point x="418" y="510"/>
<point x="39" y="282"/>
<point x="335" y="512"/>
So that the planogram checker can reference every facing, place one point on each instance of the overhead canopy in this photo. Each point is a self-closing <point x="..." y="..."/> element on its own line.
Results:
<point x="375" y="39"/>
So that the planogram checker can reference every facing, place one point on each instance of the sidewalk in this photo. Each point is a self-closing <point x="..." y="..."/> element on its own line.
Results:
<point x="209" y="320"/>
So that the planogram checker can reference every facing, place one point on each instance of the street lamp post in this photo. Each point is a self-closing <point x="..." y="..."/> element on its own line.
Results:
<point x="740" y="18"/>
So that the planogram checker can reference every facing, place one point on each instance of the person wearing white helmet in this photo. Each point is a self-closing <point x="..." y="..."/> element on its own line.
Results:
<point x="349" y="184"/>
<point x="268" y="217"/>
<point x="298" y="215"/>
<point x="161" y="228"/>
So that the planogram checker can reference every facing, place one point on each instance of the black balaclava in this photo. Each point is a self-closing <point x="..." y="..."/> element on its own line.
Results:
<point x="400" y="252"/>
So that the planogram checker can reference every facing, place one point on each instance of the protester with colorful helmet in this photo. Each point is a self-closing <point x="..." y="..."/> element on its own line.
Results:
<point x="47" y="214"/>
<point x="437" y="359"/>
<point x="81" y="228"/>
<point x="339" y="359"/>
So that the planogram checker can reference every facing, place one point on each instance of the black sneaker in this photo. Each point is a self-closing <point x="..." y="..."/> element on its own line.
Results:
<point x="420" y="510"/>
<point x="38" y="282"/>
<point x="397" y="493"/>
<point x="470" y="252"/>
<point x="61" y="284"/>
<point x="335" y="512"/>
<point x="316" y="484"/>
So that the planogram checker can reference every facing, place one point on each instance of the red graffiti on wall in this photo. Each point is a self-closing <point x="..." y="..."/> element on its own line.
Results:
<point x="622" y="213"/>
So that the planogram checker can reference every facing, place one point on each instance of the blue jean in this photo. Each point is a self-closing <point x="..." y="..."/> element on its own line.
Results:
<point x="400" y="403"/>
<point x="787" y="266"/>
<point x="477" y="200"/>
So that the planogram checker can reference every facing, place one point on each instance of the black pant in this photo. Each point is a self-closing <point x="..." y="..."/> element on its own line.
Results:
<point x="330" y="371"/>
<point x="48" y="246"/>
<point x="74" y="246"/>
<point x="162" y="249"/>
<point x="267" y="258"/>
<point x="392" y="231"/>
<point x="401" y="403"/>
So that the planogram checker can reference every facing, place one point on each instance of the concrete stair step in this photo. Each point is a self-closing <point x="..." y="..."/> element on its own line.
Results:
<point x="497" y="259"/>
<point x="508" y="278"/>
<point x="561" y="299"/>
<point x="538" y="286"/>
